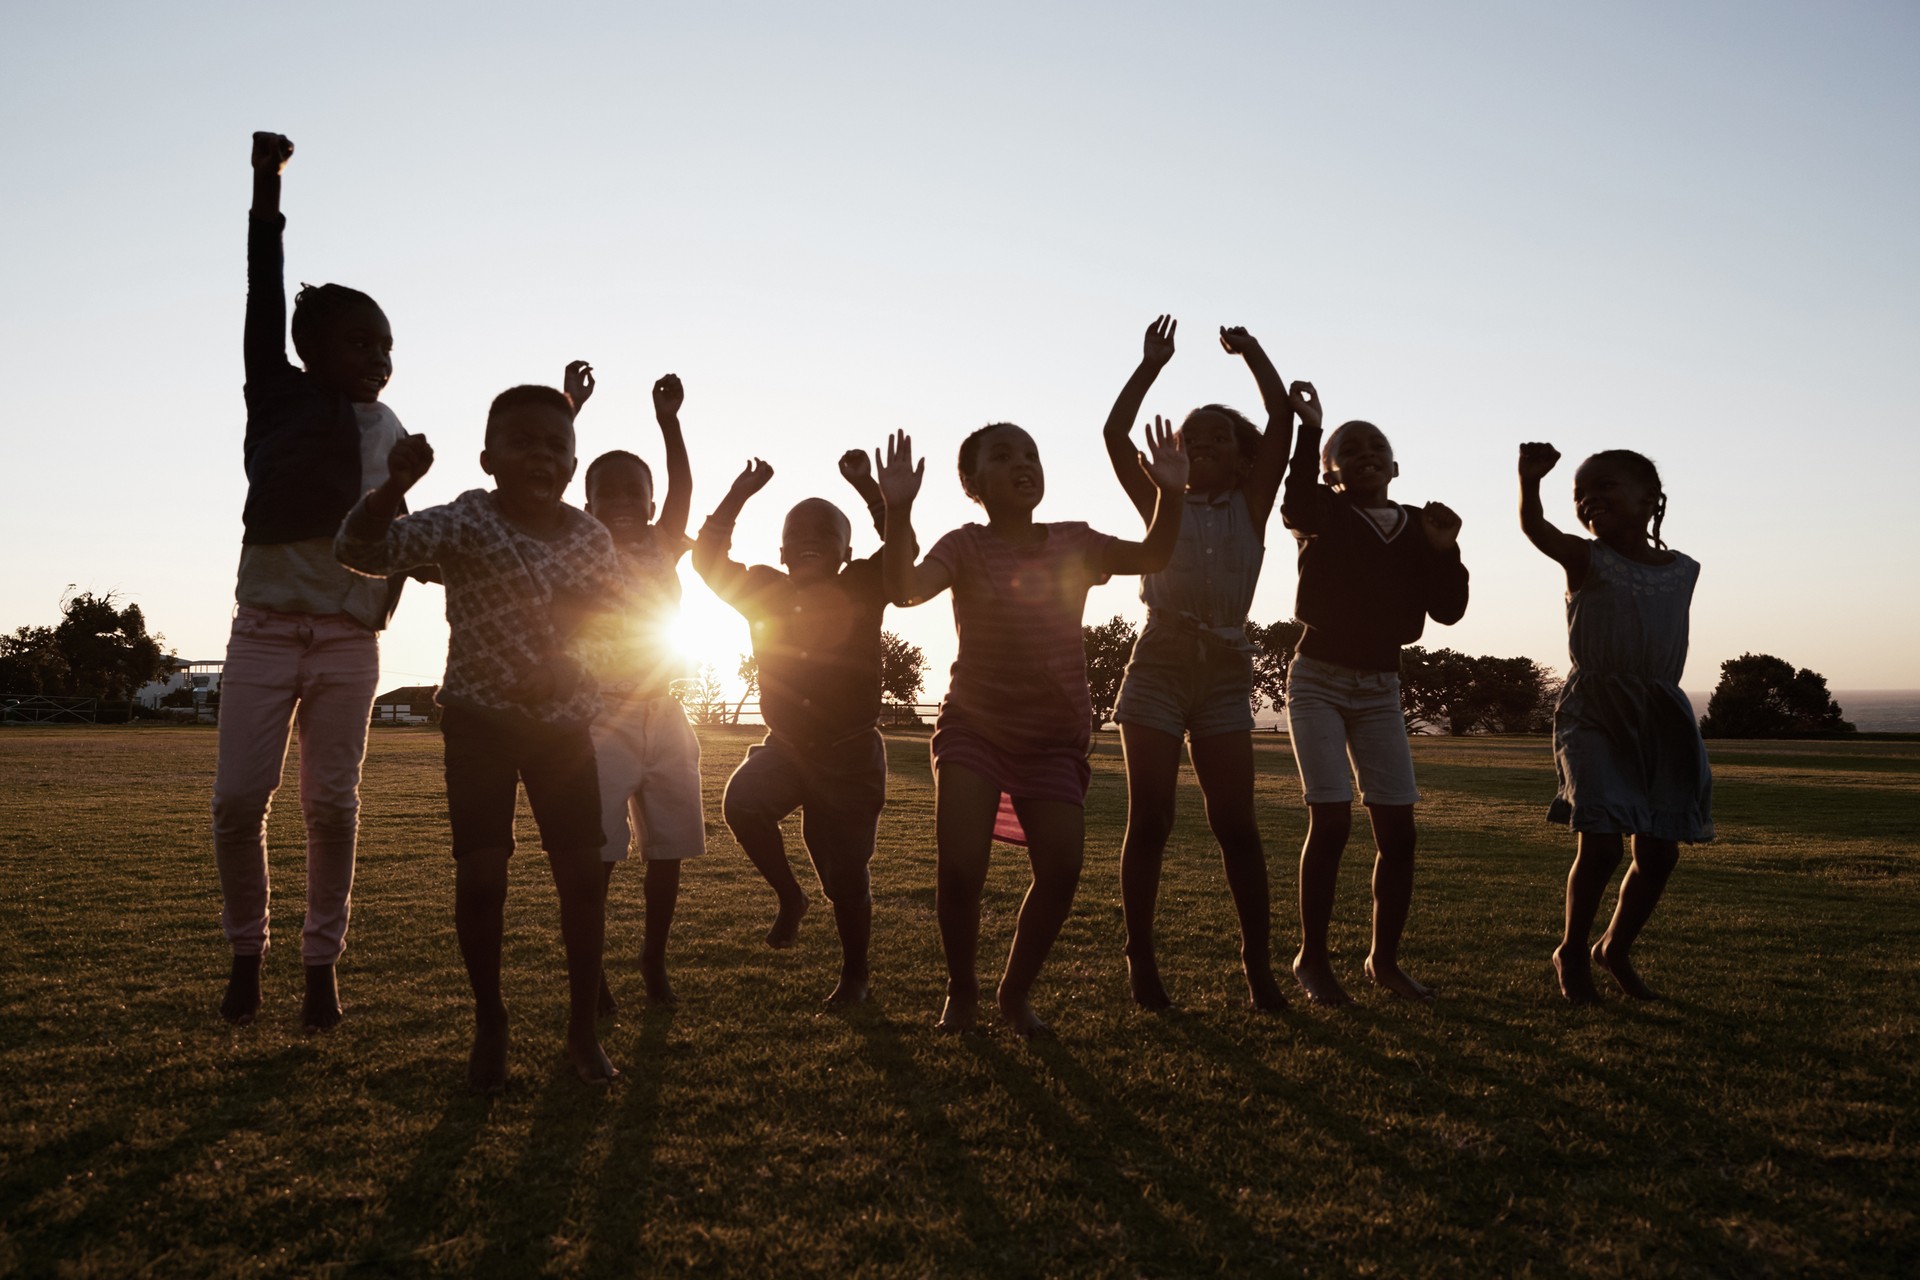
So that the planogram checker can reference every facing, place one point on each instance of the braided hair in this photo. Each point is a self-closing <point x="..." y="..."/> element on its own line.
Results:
<point x="317" y="308"/>
<point x="1641" y="468"/>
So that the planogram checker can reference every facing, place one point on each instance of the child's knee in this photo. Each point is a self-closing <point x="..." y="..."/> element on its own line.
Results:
<point x="480" y="881"/>
<point x="962" y="876"/>
<point x="239" y="817"/>
<point x="1151" y="822"/>
<point x="334" y="821"/>
<point x="745" y="815"/>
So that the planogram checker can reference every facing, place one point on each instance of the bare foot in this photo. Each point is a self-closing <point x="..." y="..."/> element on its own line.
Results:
<point x="1617" y="964"/>
<point x="659" y="990"/>
<point x="590" y="1062"/>
<point x="1576" y="975"/>
<point x="242" y="1001"/>
<point x="1263" y="993"/>
<point x="851" y="989"/>
<point x="1143" y="980"/>
<point x="1022" y="1020"/>
<point x="1396" y="981"/>
<point x="786" y="924"/>
<point x="487" y="1063"/>
<point x="960" y="1013"/>
<point x="320" y="1011"/>
<point x="607" y="1005"/>
<point x="1321" y="986"/>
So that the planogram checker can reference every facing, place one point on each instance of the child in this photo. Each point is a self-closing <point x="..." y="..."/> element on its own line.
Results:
<point x="517" y="561"/>
<point x="1191" y="674"/>
<point x="1017" y="715"/>
<point x="816" y="637"/>
<point x="648" y="757"/>
<point x="1371" y="573"/>
<point x="1625" y="745"/>
<point x="305" y="646"/>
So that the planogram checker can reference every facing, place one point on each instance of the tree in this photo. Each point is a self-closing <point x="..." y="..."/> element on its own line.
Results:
<point x="903" y="669"/>
<point x="749" y="673"/>
<point x="30" y="662"/>
<point x="1456" y="693"/>
<point x="1436" y="689"/>
<point x="1761" y="696"/>
<point x="1273" y="647"/>
<point x="96" y="650"/>
<point x="1108" y="646"/>
<point x="702" y="696"/>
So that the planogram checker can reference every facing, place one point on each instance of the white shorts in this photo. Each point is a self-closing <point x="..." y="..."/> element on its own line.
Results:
<point x="649" y="764"/>
<point x="1339" y="716"/>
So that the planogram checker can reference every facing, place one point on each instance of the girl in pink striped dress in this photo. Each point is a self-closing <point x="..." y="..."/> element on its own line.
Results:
<point x="1017" y="716"/>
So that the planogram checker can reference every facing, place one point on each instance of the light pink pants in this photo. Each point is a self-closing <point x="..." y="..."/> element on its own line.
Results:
<point x="318" y="671"/>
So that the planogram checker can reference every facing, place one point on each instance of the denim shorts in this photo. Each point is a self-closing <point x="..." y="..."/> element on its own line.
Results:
<point x="1337" y="715"/>
<point x="1197" y="699"/>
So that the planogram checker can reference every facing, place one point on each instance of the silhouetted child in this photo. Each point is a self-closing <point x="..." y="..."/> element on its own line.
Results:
<point x="816" y="638"/>
<point x="1191" y="673"/>
<point x="1372" y="571"/>
<point x="304" y="648"/>
<point x="648" y="757"/>
<point x="521" y="567"/>
<point x="1017" y="716"/>
<point x="1625" y="744"/>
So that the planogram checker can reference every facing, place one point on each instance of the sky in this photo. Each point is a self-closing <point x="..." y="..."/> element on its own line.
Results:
<point x="1683" y="229"/>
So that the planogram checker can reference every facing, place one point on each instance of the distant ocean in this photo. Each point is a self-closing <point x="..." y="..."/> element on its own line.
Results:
<point x="1870" y="710"/>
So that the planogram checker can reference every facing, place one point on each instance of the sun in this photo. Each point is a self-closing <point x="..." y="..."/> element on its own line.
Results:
<point x="708" y="631"/>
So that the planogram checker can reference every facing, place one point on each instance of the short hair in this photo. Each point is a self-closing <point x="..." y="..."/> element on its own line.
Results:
<point x="317" y="308"/>
<point x="970" y="450"/>
<point x="1641" y="468"/>
<point x="528" y="394"/>
<point x="612" y="456"/>
<point x="839" y="517"/>
<point x="1245" y="434"/>
<point x="1333" y="439"/>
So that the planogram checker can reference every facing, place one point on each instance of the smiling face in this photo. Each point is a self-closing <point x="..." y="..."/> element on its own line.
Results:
<point x="1215" y="461"/>
<point x="1612" y="502"/>
<point x="354" y="352"/>
<point x="815" y="541"/>
<point x="620" y="496"/>
<point x="529" y="454"/>
<point x="1006" y="474"/>
<point x="1358" y="461"/>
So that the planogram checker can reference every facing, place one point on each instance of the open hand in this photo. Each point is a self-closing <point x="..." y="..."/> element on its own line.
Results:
<point x="855" y="468"/>
<point x="271" y="151"/>
<point x="1236" y="341"/>
<point x="1167" y="465"/>
<point x="1305" y="401"/>
<point x="1536" y="459"/>
<point x="1441" y="525"/>
<point x="408" y="460"/>
<point x="668" y="396"/>
<point x="579" y="383"/>
<point x="1157" y="349"/>
<point x="899" y="475"/>
<point x="752" y="479"/>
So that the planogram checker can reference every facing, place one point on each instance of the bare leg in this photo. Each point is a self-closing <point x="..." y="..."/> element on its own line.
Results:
<point x="479" y="910"/>
<point x="964" y="806"/>
<point x="579" y="877"/>
<point x="1224" y="765"/>
<point x="607" y="1006"/>
<point x="1393" y="839"/>
<point x="1595" y="857"/>
<point x="840" y="846"/>
<point x="761" y="792"/>
<point x="1327" y="828"/>
<point x="1640" y="890"/>
<point x="1056" y="844"/>
<point x="662" y="888"/>
<point x="1153" y="766"/>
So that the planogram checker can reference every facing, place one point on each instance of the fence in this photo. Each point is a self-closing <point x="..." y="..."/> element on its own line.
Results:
<point x="39" y="708"/>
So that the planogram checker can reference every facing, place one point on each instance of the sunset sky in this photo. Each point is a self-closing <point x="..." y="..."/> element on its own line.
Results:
<point x="1684" y="229"/>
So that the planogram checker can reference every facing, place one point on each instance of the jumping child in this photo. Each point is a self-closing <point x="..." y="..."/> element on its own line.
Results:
<point x="1191" y="673"/>
<point x="305" y="645"/>
<point x="1017" y="716"/>
<point x="1372" y="571"/>
<point x="648" y="757"/>
<point x="520" y="567"/>
<point x="816" y="638"/>
<point x="1626" y="749"/>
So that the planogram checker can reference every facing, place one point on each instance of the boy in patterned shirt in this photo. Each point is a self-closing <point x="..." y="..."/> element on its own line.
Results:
<point x="521" y="567"/>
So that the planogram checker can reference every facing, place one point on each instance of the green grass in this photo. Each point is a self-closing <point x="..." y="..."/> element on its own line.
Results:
<point x="1762" y="1122"/>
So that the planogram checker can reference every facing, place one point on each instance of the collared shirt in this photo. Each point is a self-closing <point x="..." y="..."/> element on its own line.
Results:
<point x="1201" y="598"/>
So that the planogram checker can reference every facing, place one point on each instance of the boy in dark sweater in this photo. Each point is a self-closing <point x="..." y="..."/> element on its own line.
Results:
<point x="1372" y="571"/>
<point x="816" y="637"/>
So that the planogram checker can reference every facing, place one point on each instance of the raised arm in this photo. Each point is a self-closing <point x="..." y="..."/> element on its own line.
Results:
<point x="264" y="339"/>
<point x="907" y="582"/>
<point x="578" y="382"/>
<point x="1270" y="462"/>
<point x="670" y="530"/>
<point x="1536" y="460"/>
<point x="1304" y="498"/>
<point x="1156" y="349"/>
<point x="375" y="539"/>
<point x="856" y="470"/>
<point x="1166" y="471"/>
<point x="720" y="571"/>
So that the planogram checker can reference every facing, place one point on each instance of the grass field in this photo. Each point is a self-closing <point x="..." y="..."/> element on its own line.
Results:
<point x="1762" y="1122"/>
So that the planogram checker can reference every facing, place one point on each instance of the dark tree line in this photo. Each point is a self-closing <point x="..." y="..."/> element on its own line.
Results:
<point x="1761" y="696"/>
<point x="98" y="649"/>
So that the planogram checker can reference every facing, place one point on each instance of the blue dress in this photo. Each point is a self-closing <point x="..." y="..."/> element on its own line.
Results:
<point x="1626" y="749"/>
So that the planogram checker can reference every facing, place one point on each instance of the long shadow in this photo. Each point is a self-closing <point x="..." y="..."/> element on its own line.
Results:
<point x="414" y="1205"/>
<point x="626" y="1191"/>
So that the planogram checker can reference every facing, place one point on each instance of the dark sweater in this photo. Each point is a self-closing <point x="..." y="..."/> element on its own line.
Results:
<point x="1363" y="595"/>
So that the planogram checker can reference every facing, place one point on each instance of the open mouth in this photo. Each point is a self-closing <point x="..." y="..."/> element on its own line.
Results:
<point x="1025" y="484"/>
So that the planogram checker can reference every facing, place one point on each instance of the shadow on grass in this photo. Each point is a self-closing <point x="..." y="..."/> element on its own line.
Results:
<point x="626" y="1184"/>
<point x="416" y="1206"/>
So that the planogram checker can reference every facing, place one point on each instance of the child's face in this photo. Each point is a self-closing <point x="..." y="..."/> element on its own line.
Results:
<point x="621" y="498"/>
<point x="815" y="541"/>
<point x="529" y="454"/>
<point x="1610" y="500"/>
<point x="1007" y="475"/>
<point x="1360" y="461"/>
<point x="1214" y="460"/>
<point x="355" y="353"/>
